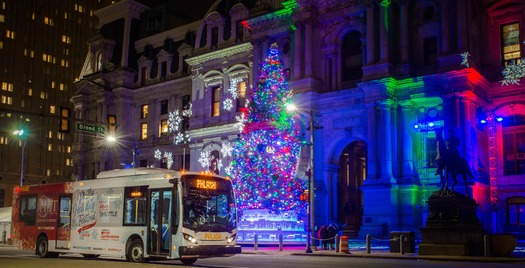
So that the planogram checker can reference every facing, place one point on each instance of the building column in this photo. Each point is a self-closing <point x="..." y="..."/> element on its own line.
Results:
<point x="461" y="17"/>
<point x="370" y="44"/>
<point x="298" y="53"/>
<point x="372" y="142"/>
<point x="125" y="44"/>
<point x="408" y="119"/>
<point x="404" y="32"/>
<point x="385" y="147"/>
<point x="383" y="35"/>
<point x="308" y="49"/>
<point x="445" y="32"/>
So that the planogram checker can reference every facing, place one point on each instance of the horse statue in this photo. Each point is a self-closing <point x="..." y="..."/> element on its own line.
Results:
<point x="450" y="162"/>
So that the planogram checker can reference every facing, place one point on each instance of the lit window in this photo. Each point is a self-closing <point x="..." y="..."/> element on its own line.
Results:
<point x="10" y="34"/>
<point x="2" y="18"/>
<point x="1" y="45"/>
<point x="48" y="172"/>
<point x="50" y="147"/>
<point x="66" y="39"/>
<point x="241" y="94"/>
<point x="49" y="21"/>
<point x="66" y="15"/>
<point x="42" y="95"/>
<point x="144" y="131"/>
<point x="215" y="101"/>
<point x="514" y="144"/>
<point x="4" y="99"/>
<point x="30" y="92"/>
<point x="68" y="162"/>
<point x="52" y="84"/>
<point x="61" y="86"/>
<point x="163" y="127"/>
<point x="7" y="86"/>
<point x="69" y="149"/>
<point x="50" y="134"/>
<point x="510" y="43"/>
<point x="52" y="109"/>
<point x="144" y="111"/>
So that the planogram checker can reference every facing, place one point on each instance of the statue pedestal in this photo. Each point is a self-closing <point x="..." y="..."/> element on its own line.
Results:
<point x="452" y="227"/>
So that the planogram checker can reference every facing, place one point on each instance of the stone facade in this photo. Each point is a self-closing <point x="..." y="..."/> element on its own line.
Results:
<point x="368" y="72"/>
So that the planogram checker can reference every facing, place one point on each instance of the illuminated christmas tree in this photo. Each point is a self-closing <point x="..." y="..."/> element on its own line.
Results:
<point x="265" y="157"/>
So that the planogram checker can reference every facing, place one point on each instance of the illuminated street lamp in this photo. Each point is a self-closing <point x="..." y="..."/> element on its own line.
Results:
<point x="22" y="135"/>
<point x="134" y="150"/>
<point x="290" y="107"/>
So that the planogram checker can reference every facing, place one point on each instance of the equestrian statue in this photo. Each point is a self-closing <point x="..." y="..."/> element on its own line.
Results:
<point x="450" y="162"/>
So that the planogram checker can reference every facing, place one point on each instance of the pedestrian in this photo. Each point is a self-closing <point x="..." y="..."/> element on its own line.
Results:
<point x="324" y="235"/>
<point x="331" y="235"/>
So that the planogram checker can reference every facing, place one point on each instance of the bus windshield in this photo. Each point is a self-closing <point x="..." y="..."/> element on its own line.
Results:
<point x="208" y="204"/>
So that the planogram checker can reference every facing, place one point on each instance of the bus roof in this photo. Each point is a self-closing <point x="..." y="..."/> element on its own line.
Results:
<point x="136" y="171"/>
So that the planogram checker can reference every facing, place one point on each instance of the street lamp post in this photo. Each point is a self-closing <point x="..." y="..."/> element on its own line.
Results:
<point x="20" y="133"/>
<point x="134" y="150"/>
<point x="311" y="181"/>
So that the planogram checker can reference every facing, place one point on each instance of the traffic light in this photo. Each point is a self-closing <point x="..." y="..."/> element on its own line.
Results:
<point x="112" y="124"/>
<point x="64" y="120"/>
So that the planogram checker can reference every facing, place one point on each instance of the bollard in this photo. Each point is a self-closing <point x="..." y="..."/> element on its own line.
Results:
<point x="368" y="244"/>
<point x="280" y="242"/>
<point x="486" y="245"/>
<point x="255" y="242"/>
<point x="401" y="237"/>
<point x="336" y="238"/>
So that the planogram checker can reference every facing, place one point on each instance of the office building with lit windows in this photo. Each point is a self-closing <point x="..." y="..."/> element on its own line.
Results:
<point x="42" y="51"/>
<point x="379" y="77"/>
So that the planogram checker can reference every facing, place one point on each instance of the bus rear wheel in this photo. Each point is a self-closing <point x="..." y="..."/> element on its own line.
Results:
<point x="42" y="248"/>
<point x="136" y="251"/>
<point x="188" y="261"/>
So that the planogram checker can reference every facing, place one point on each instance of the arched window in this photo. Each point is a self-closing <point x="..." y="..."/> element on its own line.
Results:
<point x="352" y="57"/>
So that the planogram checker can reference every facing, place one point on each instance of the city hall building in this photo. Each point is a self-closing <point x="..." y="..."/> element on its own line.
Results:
<point x="378" y="78"/>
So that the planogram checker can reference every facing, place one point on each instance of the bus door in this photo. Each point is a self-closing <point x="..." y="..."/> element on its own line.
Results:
<point x="159" y="221"/>
<point x="64" y="222"/>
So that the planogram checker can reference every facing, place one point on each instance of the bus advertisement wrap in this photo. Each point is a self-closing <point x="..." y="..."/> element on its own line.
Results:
<point x="137" y="214"/>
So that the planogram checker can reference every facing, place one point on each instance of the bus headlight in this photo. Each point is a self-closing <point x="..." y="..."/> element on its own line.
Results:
<point x="232" y="238"/>
<point x="190" y="238"/>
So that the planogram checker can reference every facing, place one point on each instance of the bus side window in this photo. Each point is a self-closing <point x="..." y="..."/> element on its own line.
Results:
<point x="28" y="209"/>
<point x="135" y="206"/>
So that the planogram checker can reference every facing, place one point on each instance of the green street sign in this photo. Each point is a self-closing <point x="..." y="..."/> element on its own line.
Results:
<point x="90" y="128"/>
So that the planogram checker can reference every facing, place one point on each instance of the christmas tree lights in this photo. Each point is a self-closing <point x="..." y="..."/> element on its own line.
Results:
<point x="265" y="156"/>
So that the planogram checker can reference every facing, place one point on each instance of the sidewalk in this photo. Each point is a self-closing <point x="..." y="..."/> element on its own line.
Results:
<point x="356" y="250"/>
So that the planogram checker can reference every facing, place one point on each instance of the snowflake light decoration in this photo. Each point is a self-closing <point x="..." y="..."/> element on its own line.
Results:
<point x="226" y="149"/>
<point x="181" y="138"/>
<point x="512" y="73"/>
<point x="227" y="104"/>
<point x="205" y="159"/>
<point x="228" y="169"/>
<point x="464" y="59"/>
<point x="158" y="154"/>
<point x="169" y="157"/>
<point x="233" y="86"/>
<point x="187" y="112"/>
<point x="241" y="121"/>
<point x="174" y="121"/>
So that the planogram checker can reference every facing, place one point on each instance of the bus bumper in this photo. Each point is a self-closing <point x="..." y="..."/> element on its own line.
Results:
<point x="208" y="251"/>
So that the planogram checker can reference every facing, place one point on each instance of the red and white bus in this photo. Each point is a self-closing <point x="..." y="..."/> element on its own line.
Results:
<point x="137" y="214"/>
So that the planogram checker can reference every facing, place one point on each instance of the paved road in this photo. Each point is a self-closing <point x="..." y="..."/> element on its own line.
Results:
<point x="11" y="257"/>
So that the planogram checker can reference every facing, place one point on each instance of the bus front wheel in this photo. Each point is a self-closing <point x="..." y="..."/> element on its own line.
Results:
<point x="188" y="261"/>
<point x="136" y="251"/>
<point x="42" y="248"/>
